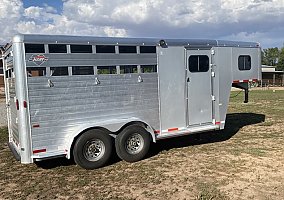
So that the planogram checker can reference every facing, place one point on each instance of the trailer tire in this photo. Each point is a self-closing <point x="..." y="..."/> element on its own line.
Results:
<point x="132" y="143"/>
<point x="92" y="149"/>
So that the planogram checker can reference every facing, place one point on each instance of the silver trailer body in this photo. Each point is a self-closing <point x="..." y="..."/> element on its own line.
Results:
<point x="57" y="87"/>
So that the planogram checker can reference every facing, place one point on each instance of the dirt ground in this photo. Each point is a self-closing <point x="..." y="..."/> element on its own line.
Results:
<point x="243" y="161"/>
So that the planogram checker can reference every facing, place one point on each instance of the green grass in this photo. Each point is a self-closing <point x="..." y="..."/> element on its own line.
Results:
<point x="210" y="192"/>
<point x="3" y="135"/>
<point x="260" y="101"/>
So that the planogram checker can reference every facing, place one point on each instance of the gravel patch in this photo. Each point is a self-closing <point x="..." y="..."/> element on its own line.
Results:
<point x="3" y="114"/>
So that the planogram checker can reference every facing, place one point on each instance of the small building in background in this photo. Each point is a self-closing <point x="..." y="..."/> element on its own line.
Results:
<point x="271" y="77"/>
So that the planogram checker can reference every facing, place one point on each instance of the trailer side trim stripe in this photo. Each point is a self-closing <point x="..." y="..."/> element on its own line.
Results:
<point x="245" y="81"/>
<point x="172" y="129"/>
<point x="169" y="130"/>
<point x="39" y="151"/>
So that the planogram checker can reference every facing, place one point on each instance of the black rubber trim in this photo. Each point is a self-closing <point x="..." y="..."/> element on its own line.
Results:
<point x="15" y="153"/>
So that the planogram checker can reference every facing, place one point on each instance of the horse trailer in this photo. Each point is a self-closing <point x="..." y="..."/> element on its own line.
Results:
<point x="85" y="97"/>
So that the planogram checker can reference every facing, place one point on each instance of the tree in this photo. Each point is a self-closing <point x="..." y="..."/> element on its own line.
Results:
<point x="280" y="64"/>
<point x="270" y="56"/>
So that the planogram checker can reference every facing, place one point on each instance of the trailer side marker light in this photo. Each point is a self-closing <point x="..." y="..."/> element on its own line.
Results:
<point x="156" y="131"/>
<point x="217" y="123"/>
<point x="237" y="81"/>
<point x="172" y="129"/>
<point x="17" y="104"/>
<point x="35" y="125"/>
<point x="25" y="104"/>
<point x="39" y="151"/>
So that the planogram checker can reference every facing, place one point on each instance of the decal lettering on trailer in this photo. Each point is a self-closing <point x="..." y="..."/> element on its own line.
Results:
<point x="38" y="59"/>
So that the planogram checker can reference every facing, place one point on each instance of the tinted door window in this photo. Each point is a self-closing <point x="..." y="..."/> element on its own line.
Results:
<point x="198" y="63"/>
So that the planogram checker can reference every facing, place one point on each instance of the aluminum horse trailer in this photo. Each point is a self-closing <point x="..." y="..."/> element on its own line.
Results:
<point x="73" y="96"/>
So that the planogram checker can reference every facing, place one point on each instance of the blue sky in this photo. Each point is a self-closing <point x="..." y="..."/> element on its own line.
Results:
<point x="58" y="4"/>
<point x="242" y="20"/>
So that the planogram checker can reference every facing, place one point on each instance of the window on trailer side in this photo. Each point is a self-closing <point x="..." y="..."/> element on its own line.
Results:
<point x="59" y="71"/>
<point x="106" y="70"/>
<point x="82" y="70"/>
<point x="127" y="49"/>
<point x="36" y="71"/>
<point x="147" y="49"/>
<point x="128" y="69"/>
<point x="81" y="48"/>
<point x="244" y="62"/>
<point x="148" y="68"/>
<point x="105" y="49"/>
<point x="57" y="48"/>
<point x="34" y="48"/>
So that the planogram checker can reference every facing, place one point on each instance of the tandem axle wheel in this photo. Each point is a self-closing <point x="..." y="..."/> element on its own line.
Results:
<point x="93" y="148"/>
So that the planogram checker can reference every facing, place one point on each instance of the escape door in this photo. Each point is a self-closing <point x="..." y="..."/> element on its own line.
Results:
<point x="199" y="86"/>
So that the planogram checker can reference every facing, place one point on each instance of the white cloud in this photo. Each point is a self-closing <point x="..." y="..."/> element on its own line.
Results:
<point x="114" y="32"/>
<point x="49" y="9"/>
<point x="10" y="14"/>
<point x="253" y="20"/>
<point x="34" y="12"/>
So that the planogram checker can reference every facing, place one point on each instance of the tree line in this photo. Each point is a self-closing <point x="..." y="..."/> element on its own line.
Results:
<point x="273" y="57"/>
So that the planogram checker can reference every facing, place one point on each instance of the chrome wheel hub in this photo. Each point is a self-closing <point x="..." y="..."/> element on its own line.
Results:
<point x="134" y="144"/>
<point x="94" y="150"/>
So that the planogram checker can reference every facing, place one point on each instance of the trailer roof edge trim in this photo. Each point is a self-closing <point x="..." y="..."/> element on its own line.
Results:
<point x="68" y="39"/>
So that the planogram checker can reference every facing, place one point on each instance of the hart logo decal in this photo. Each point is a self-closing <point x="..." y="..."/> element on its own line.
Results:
<point x="38" y="59"/>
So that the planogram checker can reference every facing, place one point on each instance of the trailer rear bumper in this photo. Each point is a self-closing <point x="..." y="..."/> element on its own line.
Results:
<point x="15" y="153"/>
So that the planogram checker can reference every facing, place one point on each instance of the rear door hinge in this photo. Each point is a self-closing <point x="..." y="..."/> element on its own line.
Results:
<point x="213" y="98"/>
<point x="212" y="52"/>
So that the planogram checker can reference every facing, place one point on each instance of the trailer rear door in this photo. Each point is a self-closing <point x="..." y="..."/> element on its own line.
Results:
<point x="199" y="86"/>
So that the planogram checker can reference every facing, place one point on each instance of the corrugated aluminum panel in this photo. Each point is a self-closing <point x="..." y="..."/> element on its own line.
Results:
<point x="76" y="101"/>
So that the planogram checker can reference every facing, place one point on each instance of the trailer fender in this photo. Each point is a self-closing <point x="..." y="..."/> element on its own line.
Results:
<point x="111" y="125"/>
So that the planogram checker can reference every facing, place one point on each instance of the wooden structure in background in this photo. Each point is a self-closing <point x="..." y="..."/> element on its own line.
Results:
<point x="271" y="77"/>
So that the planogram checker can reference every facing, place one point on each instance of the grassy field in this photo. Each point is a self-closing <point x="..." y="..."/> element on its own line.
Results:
<point x="244" y="161"/>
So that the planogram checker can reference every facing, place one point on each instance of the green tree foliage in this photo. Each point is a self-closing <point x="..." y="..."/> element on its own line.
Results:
<point x="270" y="56"/>
<point x="280" y="64"/>
<point x="273" y="57"/>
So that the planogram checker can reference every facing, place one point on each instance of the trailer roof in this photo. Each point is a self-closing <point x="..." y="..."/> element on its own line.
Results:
<point x="67" y="39"/>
